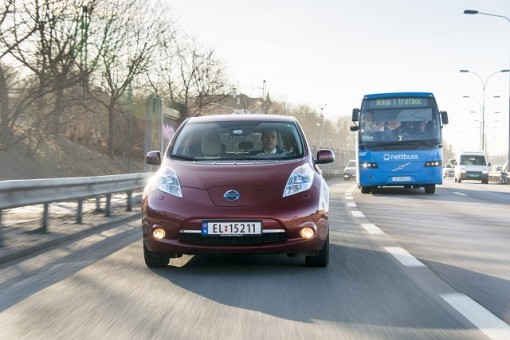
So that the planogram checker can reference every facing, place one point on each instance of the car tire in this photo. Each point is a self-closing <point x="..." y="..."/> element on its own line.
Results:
<point x="154" y="261"/>
<point x="322" y="259"/>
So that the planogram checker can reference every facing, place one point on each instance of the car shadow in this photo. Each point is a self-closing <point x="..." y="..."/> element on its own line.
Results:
<point x="356" y="287"/>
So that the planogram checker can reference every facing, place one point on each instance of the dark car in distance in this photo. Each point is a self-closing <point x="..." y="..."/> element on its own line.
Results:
<point x="217" y="191"/>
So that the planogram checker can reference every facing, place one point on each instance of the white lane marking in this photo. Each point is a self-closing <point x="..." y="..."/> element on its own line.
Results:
<point x="357" y="213"/>
<point x="487" y="322"/>
<point x="351" y="204"/>
<point x="372" y="228"/>
<point x="404" y="257"/>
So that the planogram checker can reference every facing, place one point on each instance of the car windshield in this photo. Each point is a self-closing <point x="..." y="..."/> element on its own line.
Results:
<point x="234" y="141"/>
<point x="472" y="160"/>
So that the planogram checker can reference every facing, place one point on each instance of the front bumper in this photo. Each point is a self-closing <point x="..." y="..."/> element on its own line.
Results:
<point x="182" y="223"/>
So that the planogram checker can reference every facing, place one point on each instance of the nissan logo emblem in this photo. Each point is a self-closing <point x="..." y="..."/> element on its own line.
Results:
<point x="231" y="195"/>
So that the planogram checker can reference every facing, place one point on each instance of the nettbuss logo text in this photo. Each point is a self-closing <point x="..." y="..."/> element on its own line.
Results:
<point x="400" y="157"/>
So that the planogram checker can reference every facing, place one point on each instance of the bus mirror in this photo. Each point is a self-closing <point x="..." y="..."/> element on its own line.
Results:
<point x="355" y="115"/>
<point x="444" y="117"/>
<point x="354" y="128"/>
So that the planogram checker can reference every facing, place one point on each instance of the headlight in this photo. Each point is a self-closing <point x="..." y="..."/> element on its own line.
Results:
<point x="432" y="164"/>
<point x="168" y="182"/>
<point x="300" y="180"/>
<point x="369" y="165"/>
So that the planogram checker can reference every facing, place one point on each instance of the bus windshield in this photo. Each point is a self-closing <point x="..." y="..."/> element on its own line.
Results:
<point x="399" y="120"/>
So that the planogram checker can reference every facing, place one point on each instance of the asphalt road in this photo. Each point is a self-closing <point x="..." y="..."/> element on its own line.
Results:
<point x="404" y="265"/>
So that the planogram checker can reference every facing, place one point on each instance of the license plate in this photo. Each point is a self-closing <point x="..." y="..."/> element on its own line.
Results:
<point x="401" y="179"/>
<point x="474" y="175"/>
<point x="231" y="228"/>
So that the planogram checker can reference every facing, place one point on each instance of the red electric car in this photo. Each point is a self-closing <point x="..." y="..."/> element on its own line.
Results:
<point x="237" y="184"/>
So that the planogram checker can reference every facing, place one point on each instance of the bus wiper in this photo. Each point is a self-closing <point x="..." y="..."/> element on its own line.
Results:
<point x="416" y="142"/>
<point x="377" y="145"/>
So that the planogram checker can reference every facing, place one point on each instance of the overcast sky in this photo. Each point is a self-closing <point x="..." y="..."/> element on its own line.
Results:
<point x="332" y="52"/>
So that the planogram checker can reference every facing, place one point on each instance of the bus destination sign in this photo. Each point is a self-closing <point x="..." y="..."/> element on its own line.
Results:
<point x="388" y="103"/>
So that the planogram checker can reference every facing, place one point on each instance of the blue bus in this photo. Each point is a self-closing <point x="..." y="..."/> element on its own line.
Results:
<point x="399" y="141"/>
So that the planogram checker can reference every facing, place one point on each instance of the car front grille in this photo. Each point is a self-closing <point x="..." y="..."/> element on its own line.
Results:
<point x="232" y="240"/>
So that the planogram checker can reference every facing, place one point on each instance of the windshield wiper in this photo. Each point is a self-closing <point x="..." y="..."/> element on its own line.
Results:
<point x="424" y="142"/>
<point x="183" y="157"/>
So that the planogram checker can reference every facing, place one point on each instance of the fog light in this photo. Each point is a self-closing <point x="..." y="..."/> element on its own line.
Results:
<point x="158" y="233"/>
<point x="307" y="233"/>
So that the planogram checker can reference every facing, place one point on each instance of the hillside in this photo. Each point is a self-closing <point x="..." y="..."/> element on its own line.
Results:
<point x="60" y="157"/>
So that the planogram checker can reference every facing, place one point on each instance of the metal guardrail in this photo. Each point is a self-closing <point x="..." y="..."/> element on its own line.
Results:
<point x="20" y="193"/>
<point x="499" y="177"/>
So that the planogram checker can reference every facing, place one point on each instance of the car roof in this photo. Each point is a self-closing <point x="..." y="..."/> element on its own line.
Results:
<point x="243" y="117"/>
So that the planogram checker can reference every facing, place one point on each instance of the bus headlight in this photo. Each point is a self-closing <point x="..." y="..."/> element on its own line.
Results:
<point x="433" y="164"/>
<point x="370" y="165"/>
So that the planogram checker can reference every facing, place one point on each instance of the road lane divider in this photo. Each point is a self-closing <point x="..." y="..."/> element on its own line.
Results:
<point x="372" y="229"/>
<point x="404" y="257"/>
<point x="487" y="322"/>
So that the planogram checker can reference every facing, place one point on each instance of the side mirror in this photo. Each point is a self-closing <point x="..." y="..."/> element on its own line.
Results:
<point x="355" y="115"/>
<point x="153" y="158"/>
<point x="444" y="117"/>
<point x="354" y="128"/>
<point x="325" y="156"/>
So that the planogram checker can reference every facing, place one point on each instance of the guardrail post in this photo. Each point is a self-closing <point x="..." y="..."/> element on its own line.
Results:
<point x="44" y="227"/>
<point x="98" y="203"/>
<point x="129" y="206"/>
<point x="79" y="212"/>
<point x="108" y="208"/>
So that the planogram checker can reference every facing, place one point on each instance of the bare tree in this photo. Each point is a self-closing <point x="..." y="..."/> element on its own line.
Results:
<point x="43" y="40"/>
<point x="189" y="76"/>
<point x="135" y="31"/>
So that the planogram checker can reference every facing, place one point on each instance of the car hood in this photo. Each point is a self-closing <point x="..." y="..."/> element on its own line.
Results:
<point x="246" y="179"/>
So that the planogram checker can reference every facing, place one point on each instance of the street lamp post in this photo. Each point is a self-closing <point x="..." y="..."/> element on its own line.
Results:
<point x="322" y="124"/>
<point x="484" y="84"/>
<point x="473" y="11"/>
<point x="482" y="118"/>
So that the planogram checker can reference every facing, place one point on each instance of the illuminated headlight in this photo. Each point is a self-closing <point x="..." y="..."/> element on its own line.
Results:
<point x="169" y="182"/>
<point x="463" y="171"/>
<point x="368" y="165"/>
<point x="300" y="180"/>
<point x="433" y="164"/>
<point x="307" y="233"/>
<point x="485" y="172"/>
<point x="158" y="233"/>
